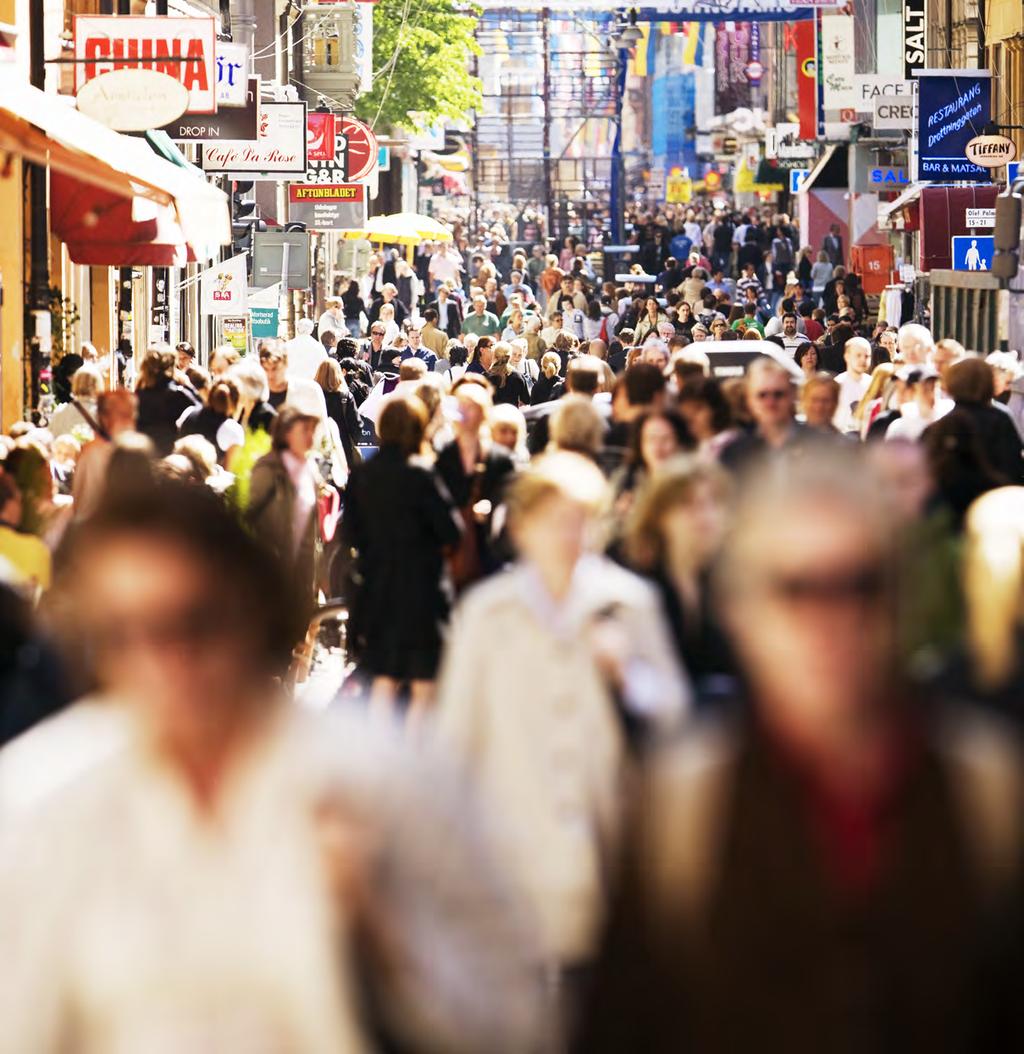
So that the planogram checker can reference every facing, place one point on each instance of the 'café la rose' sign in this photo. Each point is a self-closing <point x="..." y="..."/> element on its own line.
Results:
<point x="279" y="149"/>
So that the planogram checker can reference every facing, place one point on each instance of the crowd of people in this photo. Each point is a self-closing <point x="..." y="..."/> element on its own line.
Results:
<point x="683" y="708"/>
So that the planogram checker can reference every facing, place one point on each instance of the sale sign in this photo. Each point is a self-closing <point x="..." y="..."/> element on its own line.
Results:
<point x="183" y="48"/>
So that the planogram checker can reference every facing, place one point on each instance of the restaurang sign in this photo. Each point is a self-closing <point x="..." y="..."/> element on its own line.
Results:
<point x="183" y="48"/>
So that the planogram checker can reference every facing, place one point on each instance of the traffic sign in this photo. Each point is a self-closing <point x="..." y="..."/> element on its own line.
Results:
<point x="796" y="179"/>
<point x="1012" y="169"/>
<point x="754" y="71"/>
<point x="972" y="253"/>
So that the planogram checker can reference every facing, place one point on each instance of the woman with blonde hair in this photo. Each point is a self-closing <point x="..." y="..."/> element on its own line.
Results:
<point x="548" y="384"/>
<point x="538" y="726"/>
<point x="673" y="533"/>
<point x="871" y="402"/>
<point x="509" y="385"/>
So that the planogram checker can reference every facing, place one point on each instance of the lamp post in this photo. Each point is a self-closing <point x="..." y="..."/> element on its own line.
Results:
<point x="624" y="37"/>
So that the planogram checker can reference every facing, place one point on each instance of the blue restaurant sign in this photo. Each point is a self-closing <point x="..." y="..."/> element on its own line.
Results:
<point x="952" y="109"/>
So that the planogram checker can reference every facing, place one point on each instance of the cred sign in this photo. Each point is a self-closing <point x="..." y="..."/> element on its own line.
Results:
<point x="183" y="48"/>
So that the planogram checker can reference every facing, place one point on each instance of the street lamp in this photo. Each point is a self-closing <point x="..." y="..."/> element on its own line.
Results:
<point x="622" y="39"/>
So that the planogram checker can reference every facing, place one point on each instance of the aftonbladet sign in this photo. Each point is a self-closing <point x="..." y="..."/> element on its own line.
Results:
<point x="183" y="48"/>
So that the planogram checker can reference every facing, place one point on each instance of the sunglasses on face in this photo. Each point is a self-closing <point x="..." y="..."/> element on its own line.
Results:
<point x="859" y="584"/>
<point x="772" y="393"/>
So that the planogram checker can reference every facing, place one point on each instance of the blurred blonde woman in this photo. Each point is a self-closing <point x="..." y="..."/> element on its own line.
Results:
<point x="537" y="723"/>
<point x="993" y="580"/>
<point x="545" y="388"/>
<point x="871" y="402"/>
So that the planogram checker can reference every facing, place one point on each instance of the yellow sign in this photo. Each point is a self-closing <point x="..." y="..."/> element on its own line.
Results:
<point x="745" y="184"/>
<point x="678" y="190"/>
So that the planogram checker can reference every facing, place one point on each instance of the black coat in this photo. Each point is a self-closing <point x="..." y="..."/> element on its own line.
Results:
<point x="454" y="327"/>
<point x="399" y="525"/>
<point x="999" y="439"/>
<point x="160" y="407"/>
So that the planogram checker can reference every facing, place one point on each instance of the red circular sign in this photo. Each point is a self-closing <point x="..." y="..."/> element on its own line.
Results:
<point x="712" y="181"/>
<point x="360" y="148"/>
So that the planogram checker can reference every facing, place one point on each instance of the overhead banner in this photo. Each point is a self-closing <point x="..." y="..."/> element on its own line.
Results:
<point x="952" y="110"/>
<point x="183" y="48"/>
<point x="279" y="150"/>
<point x="223" y="288"/>
<point x="683" y="10"/>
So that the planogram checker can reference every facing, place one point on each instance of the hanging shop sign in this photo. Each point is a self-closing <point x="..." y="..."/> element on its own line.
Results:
<point x="872" y="86"/>
<point x="228" y="123"/>
<point x="837" y="49"/>
<point x="232" y="73"/>
<point x="913" y="37"/>
<point x="182" y="48"/>
<point x="894" y="113"/>
<point x="355" y="154"/>
<point x="328" y="207"/>
<point x="320" y="134"/>
<point x="279" y="149"/>
<point x="223" y="289"/>
<point x="991" y="151"/>
<point x="263" y="321"/>
<point x="953" y="108"/>
<point x="133" y="100"/>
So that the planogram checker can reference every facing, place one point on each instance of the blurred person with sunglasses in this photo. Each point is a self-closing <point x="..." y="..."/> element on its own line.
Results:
<point x="836" y="866"/>
<point x="771" y="402"/>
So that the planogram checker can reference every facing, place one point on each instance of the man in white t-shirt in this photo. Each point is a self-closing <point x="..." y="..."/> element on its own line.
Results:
<point x="305" y="352"/>
<point x="853" y="382"/>
<point x="444" y="264"/>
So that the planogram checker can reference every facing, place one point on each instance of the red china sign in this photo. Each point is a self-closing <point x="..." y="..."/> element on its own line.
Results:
<point x="183" y="48"/>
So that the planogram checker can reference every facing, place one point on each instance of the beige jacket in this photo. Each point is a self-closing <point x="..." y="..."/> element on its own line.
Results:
<point x="523" y="703"/>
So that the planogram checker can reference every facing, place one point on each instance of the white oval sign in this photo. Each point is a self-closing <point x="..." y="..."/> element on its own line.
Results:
<point x="990" y="151"/>
<point x="133" y="100"/>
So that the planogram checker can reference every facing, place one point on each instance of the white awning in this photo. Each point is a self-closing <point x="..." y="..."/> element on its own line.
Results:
<point x="819" y="167"/>
<point x="908" y="197"/>
<point x="44" y="128"/>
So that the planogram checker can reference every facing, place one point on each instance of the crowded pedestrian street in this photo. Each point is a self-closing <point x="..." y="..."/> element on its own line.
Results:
<point x="511" y="527"/>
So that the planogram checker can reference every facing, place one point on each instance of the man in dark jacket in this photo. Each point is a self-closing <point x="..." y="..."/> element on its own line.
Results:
<point x="388" y="295"/>
<point x="449" y="312"/>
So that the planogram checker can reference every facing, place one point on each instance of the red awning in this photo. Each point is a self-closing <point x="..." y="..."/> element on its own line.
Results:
<point x="113" y="201"/>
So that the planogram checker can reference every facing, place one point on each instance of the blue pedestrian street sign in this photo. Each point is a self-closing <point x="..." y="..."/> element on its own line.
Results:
<point x="1012" y="169"/>
<point x="972" y="253"/>
<point x="796" y="179"/>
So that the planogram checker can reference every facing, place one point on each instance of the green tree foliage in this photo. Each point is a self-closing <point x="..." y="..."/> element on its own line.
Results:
<point x="421" y="61"/>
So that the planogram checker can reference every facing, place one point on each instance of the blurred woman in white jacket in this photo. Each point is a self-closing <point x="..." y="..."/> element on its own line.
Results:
<point x="547" y="667"/>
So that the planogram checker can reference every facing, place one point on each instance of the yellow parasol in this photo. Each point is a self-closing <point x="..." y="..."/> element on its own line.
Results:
<point x="402" y="228"/>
